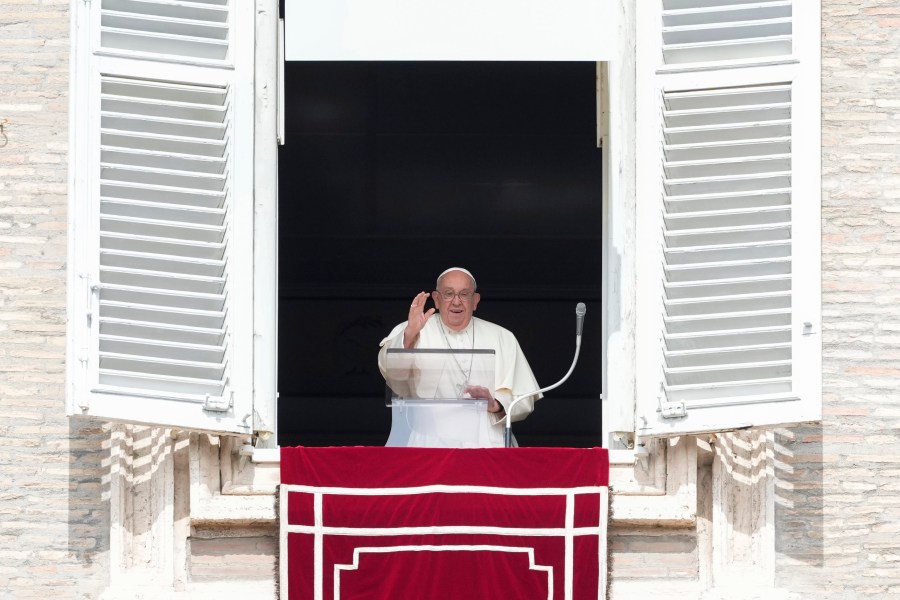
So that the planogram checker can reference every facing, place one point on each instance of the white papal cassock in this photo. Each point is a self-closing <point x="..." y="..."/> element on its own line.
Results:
<point x="453" y="427"/>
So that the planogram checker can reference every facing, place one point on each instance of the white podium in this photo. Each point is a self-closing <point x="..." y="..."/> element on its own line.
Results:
<point x="429" y="392"/>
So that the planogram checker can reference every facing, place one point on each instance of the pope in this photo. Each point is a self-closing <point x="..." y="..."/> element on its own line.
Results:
<point x="455" y="327"/>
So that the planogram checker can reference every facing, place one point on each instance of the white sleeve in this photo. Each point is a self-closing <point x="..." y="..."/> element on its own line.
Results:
<point x="393" y="340"/>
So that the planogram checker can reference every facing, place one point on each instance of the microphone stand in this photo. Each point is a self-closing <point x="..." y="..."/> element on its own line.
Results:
<point x="507" y="433"/>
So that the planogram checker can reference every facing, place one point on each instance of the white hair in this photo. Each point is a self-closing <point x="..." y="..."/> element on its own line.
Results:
<point x="461" y="270"/>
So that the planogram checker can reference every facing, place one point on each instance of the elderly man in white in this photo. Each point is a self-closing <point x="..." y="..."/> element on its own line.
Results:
<point x="456" y="327"/>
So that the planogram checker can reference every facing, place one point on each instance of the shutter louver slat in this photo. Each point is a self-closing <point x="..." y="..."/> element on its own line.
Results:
<point x="205" y="10"/>
<point x="710" y="31"/>
<point x="164" y="314"/>
<point x="692" y="12"/>
<point x="720" y="394"/>
<point x="165" y="25"/>
<point x="727" y="249"/>
<point x="154" y="245"/>
<point x="148" y="366"/>
<point x="150" y="279"/>
<point x="727" y="201"/>
<point x="724" y="235"/>
<point x="175" y="131"/>
<point x="156" y="143"/>
<point x="165" y="95"/>
<point x="139" y="330"/>
<point x="193" y="353"/>
<point x="165" y="29"/>
<point x="153" y="108"/>
<point x="126" y="382"/>
<point x="163" y="230"/>
<point x="717" y="322"/>
<point x="163" y="211"/>
<point x="163" y="264"/>
<point x="726" y="338"/>
<point x="711" y="305"/>
<point x="726" y="287"/>
<point x="708" y="272"/>
<point x="184" y="180"/>
<point x="728" y="356"/>
<point x="725" y="218"/>
<point x="112" y="190"/>
<point x="162" y="161"/>
<point x="687" y="378"/>
<point x="179" y="46"/>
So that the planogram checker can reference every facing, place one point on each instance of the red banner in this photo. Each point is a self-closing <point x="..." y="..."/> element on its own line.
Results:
<point x="370" y="523"/>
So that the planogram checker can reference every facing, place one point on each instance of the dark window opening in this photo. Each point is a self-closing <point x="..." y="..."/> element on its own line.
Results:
<point x="393" y="172"/>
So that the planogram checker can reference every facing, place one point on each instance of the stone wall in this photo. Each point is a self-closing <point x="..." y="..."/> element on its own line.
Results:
<point x="54" y="525"/>
<point x="859" y="441"/>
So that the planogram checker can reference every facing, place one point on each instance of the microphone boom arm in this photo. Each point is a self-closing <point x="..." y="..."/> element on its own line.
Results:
<point x="507" y="433"/>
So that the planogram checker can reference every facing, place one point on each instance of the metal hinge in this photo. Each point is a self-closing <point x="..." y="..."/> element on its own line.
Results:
<point x="672" y="410"/>
<point x="219" y="403"/>
<point x="667" y="409"/>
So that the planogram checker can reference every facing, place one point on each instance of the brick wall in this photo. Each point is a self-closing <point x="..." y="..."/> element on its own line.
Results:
<point x="53" y="525"/>
<point x="859" y="441"/>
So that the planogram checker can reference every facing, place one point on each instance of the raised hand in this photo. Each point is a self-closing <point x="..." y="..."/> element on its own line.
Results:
<point x="418" y="316"/>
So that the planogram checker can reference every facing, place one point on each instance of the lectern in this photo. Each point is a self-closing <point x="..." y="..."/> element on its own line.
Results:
<point x="430" y="395"/>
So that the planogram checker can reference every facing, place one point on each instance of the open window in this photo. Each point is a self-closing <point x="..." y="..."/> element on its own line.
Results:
<point x="393" y="171"/>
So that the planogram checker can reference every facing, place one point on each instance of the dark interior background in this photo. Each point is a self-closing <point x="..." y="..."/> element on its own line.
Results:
<point x="393" y="172"/>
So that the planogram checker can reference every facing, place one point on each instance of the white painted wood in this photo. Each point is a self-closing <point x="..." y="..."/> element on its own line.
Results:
<point x="162" y="239"/>
<point x="176" y="31"/>
<point x="727" y="217"/>
<point x="619" y="249"/>
<point x="707" y="30"/>
<point x="265" y="233"/>
<point x="462" y="30"/>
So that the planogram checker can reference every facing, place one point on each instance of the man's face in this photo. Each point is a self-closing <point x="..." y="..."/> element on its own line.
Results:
<point x="456" y="312"/>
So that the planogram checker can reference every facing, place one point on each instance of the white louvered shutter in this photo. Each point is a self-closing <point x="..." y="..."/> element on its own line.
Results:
<point x="161" y="255"/>
<point x="728" y="196"/>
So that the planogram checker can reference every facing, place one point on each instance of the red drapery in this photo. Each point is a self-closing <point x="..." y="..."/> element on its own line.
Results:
<point x="371" y="523"/>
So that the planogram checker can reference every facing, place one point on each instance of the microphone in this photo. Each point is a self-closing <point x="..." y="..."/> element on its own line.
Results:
<point x="580" y="309"/>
